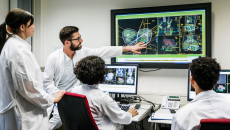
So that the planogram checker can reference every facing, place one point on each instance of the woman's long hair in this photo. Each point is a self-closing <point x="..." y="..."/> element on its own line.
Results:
<point x="14" y="19"/>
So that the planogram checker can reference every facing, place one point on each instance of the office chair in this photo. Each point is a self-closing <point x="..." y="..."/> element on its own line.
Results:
<point x="75" y="112"/>
<point x="214" y="124"/>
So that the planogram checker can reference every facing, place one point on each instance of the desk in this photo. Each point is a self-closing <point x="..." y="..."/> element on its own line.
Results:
<point x="143" y="111"/>
<point x="138" y="120"/>
<point x="162" y="111"/>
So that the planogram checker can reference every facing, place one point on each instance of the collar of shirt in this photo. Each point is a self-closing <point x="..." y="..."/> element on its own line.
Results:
<point x="203" y="95"/>
<point x="23" y="41"/>
<point x="74" y="55"/>
<point x="91" y="86"/>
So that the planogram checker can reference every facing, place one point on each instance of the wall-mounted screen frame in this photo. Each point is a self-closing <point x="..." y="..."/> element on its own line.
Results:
<point x="175" y="35"/>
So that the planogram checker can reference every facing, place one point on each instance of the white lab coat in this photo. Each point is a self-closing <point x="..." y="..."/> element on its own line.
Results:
<point x="207" y="104"/>
<point x="104" y="109"/>
<point x="23" y="102"/>
<point x="55" y="65"/>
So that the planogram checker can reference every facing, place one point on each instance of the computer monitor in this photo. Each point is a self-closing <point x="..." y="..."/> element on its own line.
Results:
<point x="175" y="35"/>
<point x="120" y="79"/>
<point x="222" y="86"/>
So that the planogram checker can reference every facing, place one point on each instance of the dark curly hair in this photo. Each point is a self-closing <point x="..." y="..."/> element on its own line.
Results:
<point x="205" y="71"/>
<point x="90" y="70"/>
<point x="66" y="33"/>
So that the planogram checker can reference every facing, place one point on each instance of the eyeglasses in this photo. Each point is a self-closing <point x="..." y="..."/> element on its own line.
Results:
<point x="75" y="39"/>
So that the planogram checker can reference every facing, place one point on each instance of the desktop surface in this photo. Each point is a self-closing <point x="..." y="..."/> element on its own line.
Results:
<point x="143" y="111"/>
<point x="162" y="111"/>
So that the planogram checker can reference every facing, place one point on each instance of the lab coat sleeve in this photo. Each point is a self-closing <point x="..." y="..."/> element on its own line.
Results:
<point x="104" y="52"/>
<point x="27" y="78"/>
<point x="115" y="114"/>
<point x="48" y="77"/>
<point x="175" y="125"/>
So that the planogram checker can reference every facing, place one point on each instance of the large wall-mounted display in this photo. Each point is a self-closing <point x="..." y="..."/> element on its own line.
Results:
<point x="175" y="35"/>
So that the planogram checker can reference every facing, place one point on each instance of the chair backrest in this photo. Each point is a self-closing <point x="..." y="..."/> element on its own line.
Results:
<point x="75" y="112"/>
<point x="214" y="124"/>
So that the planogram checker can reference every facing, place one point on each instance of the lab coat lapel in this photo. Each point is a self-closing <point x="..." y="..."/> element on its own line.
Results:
<point x="62" y="64"/>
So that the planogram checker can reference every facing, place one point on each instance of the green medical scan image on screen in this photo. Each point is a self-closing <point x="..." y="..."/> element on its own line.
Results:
<point x="170" y="36"/>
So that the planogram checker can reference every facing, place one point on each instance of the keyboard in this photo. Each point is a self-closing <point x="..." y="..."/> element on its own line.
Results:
<point x="124" y="107"/>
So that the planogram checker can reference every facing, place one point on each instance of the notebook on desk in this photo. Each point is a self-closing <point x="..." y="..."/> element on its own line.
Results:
<point x="159" y="116"/>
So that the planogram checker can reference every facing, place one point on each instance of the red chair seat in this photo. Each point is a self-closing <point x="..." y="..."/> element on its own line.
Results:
<point x="75" y="112"/>
<point x="214" y="124"/>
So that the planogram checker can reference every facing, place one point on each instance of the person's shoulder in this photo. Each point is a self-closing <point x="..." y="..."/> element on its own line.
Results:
<point x="100" y="95"/>
<point x="76" y="88"/>
<point x="22" y="51"/>
<point x="185" y="111"/>
<point x="83" y="49"/>
<point x="182" y="116"/>
<point x="12" y="39"/>
<point x="223" y="98"/>
<point x="15" y="43"/>
<point x="105" y="97"/>
<point x="55" y="55"/>
<point x="99" y="92"/>
<point x="86" y="49"/>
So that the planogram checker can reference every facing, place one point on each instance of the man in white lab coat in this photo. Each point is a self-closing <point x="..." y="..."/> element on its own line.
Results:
<point x="58" y="72"/>
<point x="105" y="111"/>
<point x="207" y="103"/>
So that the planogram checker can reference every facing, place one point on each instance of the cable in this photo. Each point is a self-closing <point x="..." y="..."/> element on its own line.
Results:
<point x="146" y="100"/>
<point x="141" y="97"/>
<point x="158" y="108"/>
<point x="150" y="103"/>
<point x="149" y="70"/>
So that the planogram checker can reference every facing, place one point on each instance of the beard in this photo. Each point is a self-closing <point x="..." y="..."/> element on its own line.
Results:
<point x="75" y="48"/>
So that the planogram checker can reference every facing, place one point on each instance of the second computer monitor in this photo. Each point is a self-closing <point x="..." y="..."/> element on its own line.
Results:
<point x="222" y="87"/>
<point x="120" y="79"/>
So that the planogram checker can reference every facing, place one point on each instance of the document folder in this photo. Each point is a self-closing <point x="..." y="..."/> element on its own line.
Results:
<point x="159" y="116"/>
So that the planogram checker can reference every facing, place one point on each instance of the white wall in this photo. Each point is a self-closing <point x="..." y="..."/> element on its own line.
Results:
<point x="93" y="19"/>
<point x="4" y="6"/>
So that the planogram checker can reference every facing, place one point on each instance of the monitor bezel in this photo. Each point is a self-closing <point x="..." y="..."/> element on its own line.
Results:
<point x="136" y="77"/>
<point x="208" y="40"/>
<point x="188" y="95"/>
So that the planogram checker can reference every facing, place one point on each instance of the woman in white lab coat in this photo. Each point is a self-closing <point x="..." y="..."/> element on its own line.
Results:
<point x="23" y="102"/>
<point x="105" y="111"/>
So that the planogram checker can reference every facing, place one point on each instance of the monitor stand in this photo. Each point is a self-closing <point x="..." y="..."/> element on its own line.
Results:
<point x="117" y="97"/>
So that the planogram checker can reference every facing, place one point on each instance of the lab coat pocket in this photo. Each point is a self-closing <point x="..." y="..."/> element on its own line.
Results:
<point x="32" y="120"/>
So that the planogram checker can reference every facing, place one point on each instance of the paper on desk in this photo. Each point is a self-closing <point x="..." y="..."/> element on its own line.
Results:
<point x="159" y="116"/>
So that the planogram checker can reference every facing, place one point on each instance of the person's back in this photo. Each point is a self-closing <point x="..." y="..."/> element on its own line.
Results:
<point x="106" y="113"/>
<point x="207" y="103"/>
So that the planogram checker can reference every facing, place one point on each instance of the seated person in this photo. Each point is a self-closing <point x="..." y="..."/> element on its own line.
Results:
<point x="207" y="103"/>
<point x="105" y="111"/>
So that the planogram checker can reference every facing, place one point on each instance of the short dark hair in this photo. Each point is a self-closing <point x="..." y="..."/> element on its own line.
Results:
<point x="205" y="71"/>
<point x="14" y="19"/>
<point x="90" y="70"/>
<point x="66" y="33"/>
